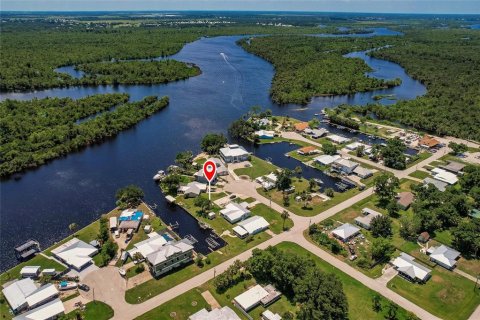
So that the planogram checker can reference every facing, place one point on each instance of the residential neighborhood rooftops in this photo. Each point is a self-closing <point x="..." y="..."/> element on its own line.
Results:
<point x="365" y="220"/>
<point x="224" y="313"/>
<point x="337" y="139"/>
<point x="346" y="231"/>
<point x="405" y="199"/>
<point x="42" y="294"/>
<point x="251" y="298"/>
<point x="76" y="253"/>
<point x="362" y="172"/>
<point x="440" y="185"/>
<point x="453" y="166"/>
<point x="30" y="271"/>
<point x="234" y="212"/>
<point x="163" y="253"/>
<point x="301" y="126"/>
<point x="428" y="142"/>
<point x="148" y="246"/>
<point x="326" y="159"/>
<point x="269" y="315"/>
<point x="444" y="255"/>
<point x="406" y="265"/>
<point x="47" y="311"/>
<point x="444" y="176"/>
<point x="254" y="224"/>
<point x="17" y="293"/>
<point x="233" y="150"/>
<point x="308" y="150"/>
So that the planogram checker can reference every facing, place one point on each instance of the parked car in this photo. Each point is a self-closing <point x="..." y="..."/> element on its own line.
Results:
<point x="117" y="234"/>
<point x="83" y="287"/>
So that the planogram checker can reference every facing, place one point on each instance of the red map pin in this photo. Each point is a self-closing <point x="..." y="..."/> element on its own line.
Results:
<point x="209" y="170"/>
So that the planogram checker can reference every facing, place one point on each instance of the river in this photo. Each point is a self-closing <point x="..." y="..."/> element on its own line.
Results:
<point x="81" y="186"/>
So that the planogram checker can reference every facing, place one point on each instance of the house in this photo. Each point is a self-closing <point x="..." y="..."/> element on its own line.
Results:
<point x="428" y="142"/>
<point x="222" y="170"/>
<point x="75" y="253"/>
<point x="30" y="271"/>
<point x="301" y="126"/>
<point x="344" y="165"/>
<point x="362" y="172"/>
<point x="234" y="212"/>
<point x="440" y="185"/>
<point x="16" y="293"/>
<point x="268" y="181"/>
<point x="113" y="223"/>
<point x="307" y="150"/>
<point x="263" y="122"/>
<point x="49" y="272"/>
<point x="42" y="295"/>
<point x="51" y="310"/>
<point x="251" y="226"/>
<point x="444" y="176"/>
<point x="366" y="218"/>
<point x="453" y="167"/>
<point x="148" y="246"/>
<point x="326" y="159"/>
<point x="444" y="256"/>
<point x="318" y="133"/>
<point x="405" y="199"/>
<point x="265" y="134"/>
<point x="423" y="237"/>
<point x="337" y="139"/>
<point x="411" y="270"/>
<point x="354" y="145"/>
<point x="170" y="256"/>
<point x="192" y="189"/>
<point x="224" y="313"/>
<point x="269" y="315"/>
<point x="255" y="296"/>
<point x="345" y="232"/>
<point x="234" y="153"/>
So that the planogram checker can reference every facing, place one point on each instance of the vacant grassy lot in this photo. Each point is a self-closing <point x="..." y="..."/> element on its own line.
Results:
<point x="446" y="295"/>
<point x="419" y="174"/>
<point x="95" y="310"/>
<point x="273" y="217"/>
<point x="259" y="168"/>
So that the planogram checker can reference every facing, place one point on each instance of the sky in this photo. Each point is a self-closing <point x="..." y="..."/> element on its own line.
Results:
<point x="372" y="6"/>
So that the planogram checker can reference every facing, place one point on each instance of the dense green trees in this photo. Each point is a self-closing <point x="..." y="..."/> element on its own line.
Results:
<point x="394" y="154"/>
<point x="309" y="66"/>
<point x="329" y="148"/>
<point x="212" y="142"/>
<point x="284" y="180"/>
<point x="35" y="131"/>
<point x="320" y="295"/>
<point x="385" y="185"/>
<point x="129" y="197"/>
<point x="381" y="226"/>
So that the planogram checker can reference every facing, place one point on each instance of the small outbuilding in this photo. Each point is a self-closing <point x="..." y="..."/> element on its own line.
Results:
<point x="30" y="271"/>
<point x="113" y="223"/>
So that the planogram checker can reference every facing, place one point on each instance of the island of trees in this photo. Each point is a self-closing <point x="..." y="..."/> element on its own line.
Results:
<point x="38" y="130"/>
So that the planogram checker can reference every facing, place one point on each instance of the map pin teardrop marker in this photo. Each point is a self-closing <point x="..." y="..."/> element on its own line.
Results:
<point x="209" y="170"/>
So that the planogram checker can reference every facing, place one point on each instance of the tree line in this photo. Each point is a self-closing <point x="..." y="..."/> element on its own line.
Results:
<point x="35" y="131"/>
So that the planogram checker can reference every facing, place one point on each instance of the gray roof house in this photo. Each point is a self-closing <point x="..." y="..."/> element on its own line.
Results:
<point x="453" y="166"/>
<point x="366" y="218"/>
<point x="440" y="185"/>
<point x="234" y="153"/>
<point x="224" y="313"/>
<point x="444" y="256"/>
<point x="411" y="270"/>
<point x="345" y="232"/>
<point x="170" y="256"/>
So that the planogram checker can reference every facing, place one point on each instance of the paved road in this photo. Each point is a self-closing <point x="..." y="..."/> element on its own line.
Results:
<point x="110" y="287"/>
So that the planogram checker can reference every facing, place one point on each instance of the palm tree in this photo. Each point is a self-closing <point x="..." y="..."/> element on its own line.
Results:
<point x="285" y="216"/>
<point x="73" y="227"/>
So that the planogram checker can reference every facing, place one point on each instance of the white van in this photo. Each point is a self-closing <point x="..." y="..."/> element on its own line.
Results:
<point x="117" y="234"/>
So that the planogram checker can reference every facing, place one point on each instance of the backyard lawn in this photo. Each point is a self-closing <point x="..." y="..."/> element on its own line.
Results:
<point x="259" y="168"/>
<point x="273" y="217"/>
<point x="446" y="295"/>
<point x="95" y="310"/>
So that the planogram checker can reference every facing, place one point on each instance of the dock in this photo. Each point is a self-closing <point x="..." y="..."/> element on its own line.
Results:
<point x="27" y="249"/>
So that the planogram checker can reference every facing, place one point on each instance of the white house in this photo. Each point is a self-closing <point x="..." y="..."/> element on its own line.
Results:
<point x="170" y="256"/>
<point x="234" y="153"/>
<point x="366" y="218"/>
<point x="444" y="256"/>
<point x="355" y="145"/>
<point x="337" y="139"/>
<point x="192" y="189"/>
<point x="234" y="212"/>
<point x="318" y="133"/>
<point x="269" y="315"/>
<point x="255" y="296"/>
<point x="444" y="176"/>
<point x="42" y="295"/>
<point x="113" y="223"/>
<point x="75" y="253"/>
<point x="408" y="268"/>
<point x="251" y="226"/>
<point x="345" y="232"/>
<point x="30" y="271"/>
<point x="51" y="310"/>
<point x="16" y="293"/>
<point x="440" y="185"/>
<point x="362" y="172"/>
<point x="326" y="159"/>
<point x="344" y="165"/>
<point x="265" y="134"/>
<point x="224" y="313"/>
<point x="148" y="246"/>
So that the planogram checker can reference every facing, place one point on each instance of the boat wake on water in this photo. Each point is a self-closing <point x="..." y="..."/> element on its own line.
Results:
<point x="237" y="98"/>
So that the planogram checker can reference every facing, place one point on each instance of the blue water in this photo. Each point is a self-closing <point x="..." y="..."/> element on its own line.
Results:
<point x="81" y="186"/>
<point x="136" y="216"/>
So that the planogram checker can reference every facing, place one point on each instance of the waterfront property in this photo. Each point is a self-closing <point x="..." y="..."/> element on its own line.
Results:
<point x="51" y="310"/>
<point x="170" y="256"/>
<point x="345" y="232"/>
<point x="343" y="165"/>
<point x="308" y="150"/>
<point x="75" y="253"/>
<point x="444" y="256"/>
<point x="224" y="313"/>
<point x="234" y="153"/>
<point x="326" y="159"/>
<point x="301" y="126"/>
<point x="268" y="181"/>
<point x="192" y="189"/>
<point x="265" y="134"/>
<point x="251" y="226"/>
<point x="16" y="293"/>
<point x="337" y="139"/>
<point x="30" y="271"/>
<point x="366" y="218"/>
<point x="362" y="172"/>
<point x="411" y="270"/>
<point x="148" y="246"/>
<point x="234" y="212"/>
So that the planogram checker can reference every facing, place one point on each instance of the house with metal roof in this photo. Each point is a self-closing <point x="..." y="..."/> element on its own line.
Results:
<point x="234" y="153"/>
<point x="326" y="159"/>
<point x="234" y="212"/>
<point x="42" y="295"/>
<point x="454" y="167"/>
<point x="251" y="226"/>
<point x="170" y="256"/>
<point x="16" y="293"/>
<point x="75" y="253"/>
<point x="444" y="256"/>
<point x="337" y="139"/>
<point x="411" y="270"/>
<point x="444" y="176"/>
<point x="366" y="218"/>
<point x="50" y="310"/>
<point x="344" y="165"/>
<point x="265" y="134"/>
<point x="148" y="246"/>
<point x="255" y="296"/>
<point x="440" y="185"/>
<point x="362" y="172"/>
<point x="345" y="232"/>
<point x="224" y="313"/>
<point x="30" y="271"/>
<point x="192" y="189"/>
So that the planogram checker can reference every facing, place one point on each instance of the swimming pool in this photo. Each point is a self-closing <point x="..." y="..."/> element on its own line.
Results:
<point x="137" y="215"/>
<point x="167" y="237"/>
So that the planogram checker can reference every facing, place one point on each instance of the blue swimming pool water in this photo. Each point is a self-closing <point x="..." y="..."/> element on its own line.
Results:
<point x="136" y="216"/>
<point x="167" y="237"/>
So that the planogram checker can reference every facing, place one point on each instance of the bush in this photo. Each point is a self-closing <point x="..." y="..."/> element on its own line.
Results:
<point x="140" y="268"/>
<point x="329" y="192"/>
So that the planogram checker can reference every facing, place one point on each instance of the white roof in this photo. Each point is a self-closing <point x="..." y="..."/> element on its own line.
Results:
<point x="17" y="292"/>
<point x="367" y="217"/>
<point x="346" y="163"/>
<point x="444" y="176"/>
<point x="337" y="139"/>
<point x="113" y="222"/>
<point x="327" y="159"/>
<point x="240" y="231"/>
<point x="254" y="224"/>
<point x="345" y="231"/>
<point x="234" y="211"/>
<point x="440" y="185"/>
<point x="319" y="132"/>
<point x="171" y="248"/>
<point x="267" y="133"/>
<point x="46" y="311"/>
<point x="271" y="177"/>
<point x="405" y="264"/>
<point x="269" y="315"/>
<point x="148" y="246"/>
<point x="75" y="252"/>
<point x="224" y="313"/>
<point x="30" y="270"/>
<point x="444" y="255"/>
<point x="361" y="171"/>
<point x="233" y="150"/>
<point x="354" y="145"/>
<point x="251" y="297"/>
<point x="42" y="294"/>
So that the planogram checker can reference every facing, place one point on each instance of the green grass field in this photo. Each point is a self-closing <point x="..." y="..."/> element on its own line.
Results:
<point x="95" y="310"/>
<point x="273" y="217"/>
<point x="419" y="174"/>
<point x="259" y="168"/>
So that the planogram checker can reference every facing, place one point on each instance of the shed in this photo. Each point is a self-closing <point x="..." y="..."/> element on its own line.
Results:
<point x="113" y="223"/>
<point x="30" y="271"/>
<point x="211" y="215"/>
